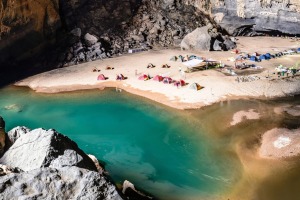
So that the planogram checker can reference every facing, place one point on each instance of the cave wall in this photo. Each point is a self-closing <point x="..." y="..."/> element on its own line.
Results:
<point x="41" y="27"/>
<point x="25" y="25"/>
<point x="262" y="15"/>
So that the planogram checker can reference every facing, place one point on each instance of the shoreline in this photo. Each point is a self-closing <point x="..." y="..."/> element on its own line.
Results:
<point x="217" y="86"/>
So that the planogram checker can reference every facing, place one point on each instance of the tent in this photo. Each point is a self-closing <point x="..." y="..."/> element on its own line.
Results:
<point x="101" y="77"/>
<point x="174" y="58"/>
<point x="262" y="57"/>
<point x="180" y="83"/>
<point x="268" y="56"/>
<point x="240" y="57"/>
<point x="193" y="57"/>
<point x="235" y="51"/>
<point x="158" y="78"/>
<point x="167" y="80"/>
<point x="181" y="58"/>
<point x="195" y="86"/>
<point x="120" y="77"/>
<point x="192" y="63"/>
<point x="144" y="77"/>
<point x="150" y="65"/>
<point x="298" y="50"/>
<point x="253" y="58"/>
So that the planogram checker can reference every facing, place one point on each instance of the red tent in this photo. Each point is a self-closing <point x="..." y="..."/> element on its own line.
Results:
<point x="101" y="77"/>
<point x="182" y="82"/>
<point x="167" y="80"/>
<point x="144" y="77"/>
<point x="158" y="78"/>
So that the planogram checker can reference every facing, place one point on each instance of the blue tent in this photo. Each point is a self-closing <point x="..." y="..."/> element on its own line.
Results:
<point x="253" y="58"/>
<point x="298" y="50"/>
<point x="262" y="57"/>
<point x="268" y="56"/>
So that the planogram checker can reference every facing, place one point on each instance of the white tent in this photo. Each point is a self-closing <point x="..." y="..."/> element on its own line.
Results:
<point x="192" y="63"/>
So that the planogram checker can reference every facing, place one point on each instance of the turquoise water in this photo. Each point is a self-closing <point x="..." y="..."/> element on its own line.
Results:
<point x="164" y="152"/>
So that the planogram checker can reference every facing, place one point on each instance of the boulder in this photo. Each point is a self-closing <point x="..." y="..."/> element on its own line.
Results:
<point x="229" y="44"/>
<point x="199" y="39"/>
<point x="63" y="183"/>
<point x="97" y="164"/>
<point x="17" y="132"/>
<point x="90" y="40"/>
<point x="76" y="32"/>
<point x="217" y="45"/>
<point x="42" y="148"/>
<point x="132" y="193"/>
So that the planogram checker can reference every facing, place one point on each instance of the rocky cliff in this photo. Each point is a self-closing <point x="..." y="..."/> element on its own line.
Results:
<point x="56" y="30"/>
<point x="249" y="17"/>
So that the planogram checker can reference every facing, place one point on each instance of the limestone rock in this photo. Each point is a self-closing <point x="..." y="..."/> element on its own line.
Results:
<point x="90" y="39"/>
<point x="217" y="45"/>
<point x="199" y="39"/>
<point x="41" y="148"/>
<point x="17" y="132"/>
<point x="97" y="164"/>
<point x="76" y="32"/>
<point x="229" y="44"/>
<point x="258" y="16"/>
<point x="132" y="193"/>
<point x="63" y="183"/>
<point x="4" y="170"/>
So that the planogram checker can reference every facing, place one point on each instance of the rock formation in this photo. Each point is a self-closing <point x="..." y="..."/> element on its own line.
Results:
<point x="252" y="17"/>
<point x="17" y="132"/>
<point x="44" y="164"/>
<point x="46" y="149"/>
<point x="53" y="183"/>
<point x="56" y="33"/>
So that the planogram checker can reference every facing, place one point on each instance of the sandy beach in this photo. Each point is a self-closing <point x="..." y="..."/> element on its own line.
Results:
<point x="217" y="85"/>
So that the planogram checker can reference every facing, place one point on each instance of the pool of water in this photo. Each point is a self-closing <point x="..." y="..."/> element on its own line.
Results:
<point x="165" y="152"/>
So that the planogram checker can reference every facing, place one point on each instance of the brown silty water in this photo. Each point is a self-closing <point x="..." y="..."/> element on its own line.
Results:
<point x="261" y="178"/>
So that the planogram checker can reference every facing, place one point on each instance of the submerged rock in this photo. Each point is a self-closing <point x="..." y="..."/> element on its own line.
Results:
<point x="63" y="183"/>
<point x="14" y="107"/>
<point x="40" y="148"/>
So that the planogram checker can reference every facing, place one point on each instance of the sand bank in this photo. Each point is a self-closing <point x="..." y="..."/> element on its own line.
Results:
<point x="291" y="110"/>
<point x="280" y="143"/>
<point x="238" y="117"/>
<point x="216" y="85"/>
